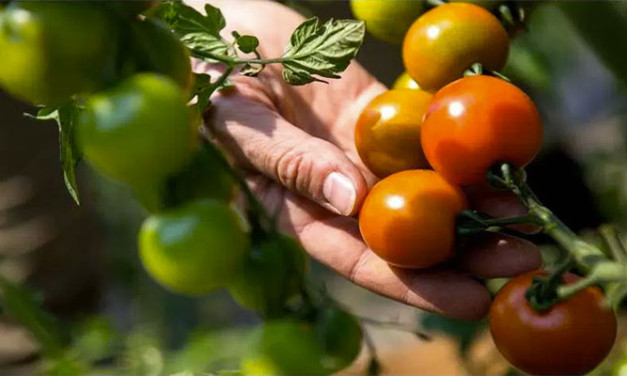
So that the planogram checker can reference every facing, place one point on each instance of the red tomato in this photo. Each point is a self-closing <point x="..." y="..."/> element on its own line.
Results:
<point x="447" y="40"/>
<point x="408" y="219"/>
<point x="388" y="131"/>
<point x="570" y="338"/>
<point x="476" y="122"/>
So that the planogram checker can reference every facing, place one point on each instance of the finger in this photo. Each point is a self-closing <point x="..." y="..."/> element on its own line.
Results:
<point x="499" y="204"/>
<point x="336" y="242"/>
<point x="315" y="168"/>
<point x="496" y="255"/>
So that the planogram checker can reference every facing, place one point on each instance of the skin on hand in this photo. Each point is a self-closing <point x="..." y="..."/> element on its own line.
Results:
<point x="297" y="146"/>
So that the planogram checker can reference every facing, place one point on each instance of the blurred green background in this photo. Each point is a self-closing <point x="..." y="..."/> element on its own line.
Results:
<point x="81" y="262"/>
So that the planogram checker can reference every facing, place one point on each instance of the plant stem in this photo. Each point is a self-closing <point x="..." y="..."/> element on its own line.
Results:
<point x="614" y="242"/>
<point x="587" y="256"/>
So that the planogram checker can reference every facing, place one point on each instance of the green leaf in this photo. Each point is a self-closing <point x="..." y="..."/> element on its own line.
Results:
<point x="200" y="33"/>
<point x="251" y="70"/>
<point x="247" y="43"/>
<point x="321" y="50"/>
<point x="203" y="88"/>
<point x="22" y="306"/>
<point x="65" y="116"/>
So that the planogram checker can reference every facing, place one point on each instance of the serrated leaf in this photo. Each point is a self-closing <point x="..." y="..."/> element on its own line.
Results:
<point x="203" y="88"/>
<point x="65" y="117"/>
<point x="324" y="51"/>
<point x="247" y="43"/>
<point x="184" y="19"/>
<point x="203" y="45"/>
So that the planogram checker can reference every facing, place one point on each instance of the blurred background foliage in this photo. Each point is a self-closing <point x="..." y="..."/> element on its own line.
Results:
<point x="107" y="316"/>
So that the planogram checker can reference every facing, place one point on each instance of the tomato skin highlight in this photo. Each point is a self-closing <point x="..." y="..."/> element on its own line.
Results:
<point x="404" y="81"/>
<point x="388" y="131"/>
<point x="195" y="248"/>
<point x="476" y="122"/>
<point x="445" y="41"/>
<point x="137" y="132"/>
<point x="408" y="218"/>
<point x="570" y="338"/>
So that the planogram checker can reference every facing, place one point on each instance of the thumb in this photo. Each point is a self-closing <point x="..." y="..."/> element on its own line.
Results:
<point x="260" y="138"/>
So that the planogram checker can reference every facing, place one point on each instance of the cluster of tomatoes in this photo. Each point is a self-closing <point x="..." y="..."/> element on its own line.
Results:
<point x="129" y="81"/>
<point x="441" y="129"/>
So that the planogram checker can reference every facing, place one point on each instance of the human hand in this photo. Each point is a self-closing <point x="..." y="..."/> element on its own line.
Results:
<point x="297" y="148"/>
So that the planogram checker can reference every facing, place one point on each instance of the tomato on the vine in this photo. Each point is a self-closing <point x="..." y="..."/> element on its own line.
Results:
<point x="271" y="275"/>
<point x="195" y="248"/>
<point x="283" y="347"/>
<point x="339" y="335"/>
<point x="476" y="122"/>
<point x="408" y="219"/>
<point x="570" y="338"/>
<point x="148" y="41"/>
<point x="447" y="40"/>
<point x="53" y="50"/>
<point x="137" y="132"/>
<point x="388" y="131"/>
<point x="404" y="81"/>
<point x="387" y="20"/>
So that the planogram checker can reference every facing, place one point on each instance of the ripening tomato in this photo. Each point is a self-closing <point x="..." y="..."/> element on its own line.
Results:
<point x="404" y="81"/>
<point x="51" y="50"/>
<point x="447" y="40"/>
<point x="387" y="134"/>
<point x="385" y="19"/>
<point x="137" y="132"/>
<point x="283" y="347"/>
<point x="476" y="122"/>
<point x="195" y="248"/>
<point x="570" y="338"/>
<point x="408" y="219"/>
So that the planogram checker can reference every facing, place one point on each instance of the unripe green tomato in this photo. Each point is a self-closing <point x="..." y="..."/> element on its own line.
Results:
<point x="272" y="274"/>
<point x="339" y="335"/>
<point x="404" y="81"/>
<point x="195" y="248"/>
<point x="283" y="347"/>
<point x="130" y="8"/>
<point x="388" y="20"/>
<point x="203" y="177"/>
<point x="50" y="51"/>
<point x="137" y="132"/>
<point x="154" y="48"/>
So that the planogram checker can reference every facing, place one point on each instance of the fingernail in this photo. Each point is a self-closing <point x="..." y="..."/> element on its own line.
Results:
<point x="340" y="193"/>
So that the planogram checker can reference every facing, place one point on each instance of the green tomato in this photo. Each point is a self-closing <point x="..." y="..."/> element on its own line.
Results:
<point x="388" y="20"/>
<point x="154" y="48"/>
<point x="272" y="275"/>
<point x="196" y="248"/>
<point x="203" y="177"/>
<point x="130" y="8"/>
<point x="339" y="335"/>
<point x="283" y="347"/>
<point x="50" y="51"/>
<point x="137" y="132"/>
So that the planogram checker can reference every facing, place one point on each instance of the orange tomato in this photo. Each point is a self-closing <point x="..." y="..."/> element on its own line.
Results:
<point x="476" y="122"/>
<point x="408" y="219"/>
<point x="447" y="40"/>
<point x="387" y="135"/>
<point x="570" y="338"/>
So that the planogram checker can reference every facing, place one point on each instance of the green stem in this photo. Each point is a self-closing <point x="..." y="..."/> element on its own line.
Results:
<point x="614" y="242"/>
<point x="587" y="256"/>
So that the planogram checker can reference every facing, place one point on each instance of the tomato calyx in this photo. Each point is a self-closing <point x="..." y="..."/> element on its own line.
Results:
<point x="543" y="292"/>
<point x="477" y="69"/>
